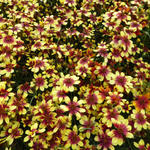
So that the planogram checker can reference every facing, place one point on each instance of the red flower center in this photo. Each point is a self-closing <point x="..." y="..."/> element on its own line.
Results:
<point x="74" y="138"/>
<point x="8" y="39"/>
<point x="68" y="82"/>
<point x="92" y="99"/>
<point x="121" y="80"/>
<point x="73" y="107"/>
<point x="39" y="81"/>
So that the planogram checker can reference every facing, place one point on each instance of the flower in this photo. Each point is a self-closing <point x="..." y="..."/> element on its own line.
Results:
<point x="39" y="82"/>
<point x="120" y="81"/>
<point x="73" y="107"/>
<point x="36" y="64"/>
<point x="109" y="115"/>
<point x="59" y="94"/>
<point x="104" y="140"/>
<point x="92" y="99"/>
<point x="102" y="72"/>
<point x="14" y="132"/>
<point x="140" y="119"/>
<point x="8" y="40"/>
<point x="8" y="67"/>
<point x="44" y="113"/>
<point x="122" y="130"/>
<point x="114" y="98"/>
<point x="32" y="132"/>
<point x="18" y="104"/>
<point x="142" y="102"/>
<point x="67" y="82"/>
<point x="72" y="138"/>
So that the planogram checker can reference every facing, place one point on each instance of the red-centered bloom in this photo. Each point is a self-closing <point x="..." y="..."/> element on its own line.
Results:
<point x="125" y="42"/>
<point x="39" y="82"/>
<point x="121" y="81"/>
<point x="114" y="98"/>
<point x="72" y="138"/>
<point x="93" y="99"/>
<point x="102" y="72"/>
<point x="67" y="82"/>
<point x="8" y="39"/>
<point x="142" y="102"/>
<point x="14" y="132"/>
<point x="109" y="114"/>
<point x="101" y="50"/>
<point x="140" y="119"/>
<point x="84" y="61"/>
<point x="104" y="141"/>
<point x="36" y="64"/>
<point x="59" y="94"/>
<point x="24" y="88"/>
<point x="19" y="104"/>
<point x="73" y="107"/>
<point x="122" y="131"/>
<point x="45" y="114"/>
<point x="7" y="51"/>
<point x="5" y="93"/>
<point x="115" y="54"/>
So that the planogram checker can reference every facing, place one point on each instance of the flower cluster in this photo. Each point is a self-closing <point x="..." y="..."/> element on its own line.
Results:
<point x="75" y="74"/>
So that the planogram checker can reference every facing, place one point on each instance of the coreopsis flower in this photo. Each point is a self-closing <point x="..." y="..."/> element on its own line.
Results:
<point x="82" y="70"/>
<point x="7" y="52"/>
<point x="122" y="130"/>
<point x="111" y="25"/>
<point x="120" y="16"/>
<point x="142" y="102"/>
<point x="114" y="98"/>
<point x="92" y="99"/>
<point x="24" y="88"/>
<point x="14" y="132"/>
<point x="73" y="107"/>
<point x="37" y="63"/>
<point x="72" y="138"/>
<point x="50" y="71"/>
<point x="140" y="145"/>
<point x="19" y="104"/>
<point x="134" y="25"/>
<point x="115" y="54"/>
<point x="109" y="115"/>
<point x="44" y="113"/>
<point x="125" y="42"/>
<point x="37" y="45"/>
<point x="8" y="39"/>
<point x="32" y="132"/>
<point x="5" y="93"/>
<point x="101" y="50"/>
<point x="87" y="125"/>
<point x="104" y="140"/>
<point x="140" y="121"/>
<point x="59" y="94"/>
<point x="39" y="82"/>
<point x="84" y="61"/>
<point x="121" y="82"/>
<point x="8" y="67"/>
<point x="67" y="82"/>
<point x="102" y="72"/>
